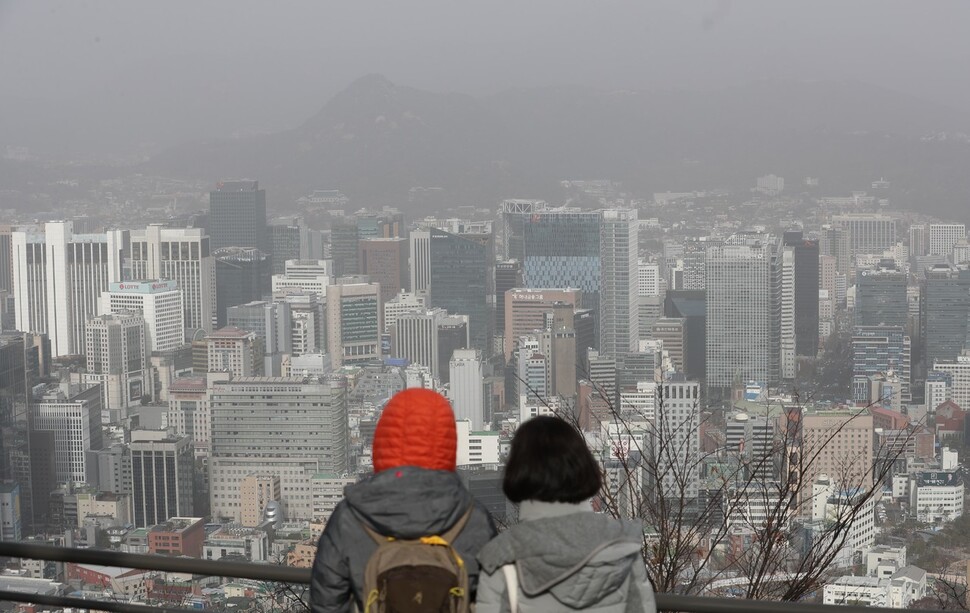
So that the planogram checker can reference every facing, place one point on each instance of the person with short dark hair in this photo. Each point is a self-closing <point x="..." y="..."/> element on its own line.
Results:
<point x="561" y="556"/>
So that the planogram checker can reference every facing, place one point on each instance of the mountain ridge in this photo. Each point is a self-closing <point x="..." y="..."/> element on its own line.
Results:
<point x="375" y="140"/>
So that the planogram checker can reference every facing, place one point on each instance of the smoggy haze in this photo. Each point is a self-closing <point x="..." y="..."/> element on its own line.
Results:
<point x="107" y="77"/>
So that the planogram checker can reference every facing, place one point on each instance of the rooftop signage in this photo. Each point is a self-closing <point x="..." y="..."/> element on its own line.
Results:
<point x="143" y="287"/>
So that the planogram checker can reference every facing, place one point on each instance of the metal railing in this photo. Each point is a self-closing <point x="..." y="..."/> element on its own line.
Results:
<point x="285" y="574"/>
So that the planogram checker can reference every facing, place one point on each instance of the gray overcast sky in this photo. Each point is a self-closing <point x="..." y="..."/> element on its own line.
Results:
<point x="170" y="70"/>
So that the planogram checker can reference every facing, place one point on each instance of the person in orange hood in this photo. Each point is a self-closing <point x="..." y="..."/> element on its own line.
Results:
<point x="413" y="492"/>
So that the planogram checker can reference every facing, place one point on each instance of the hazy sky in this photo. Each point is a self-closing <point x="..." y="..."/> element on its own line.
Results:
<point x="167" y="70"/>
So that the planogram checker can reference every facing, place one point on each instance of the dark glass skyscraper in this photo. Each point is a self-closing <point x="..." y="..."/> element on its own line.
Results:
<point x="562" y="249"/>
<point x="343" y="247"/>
<point x="242" y="276"/>
<point x="806" y="293"/>
<point x="459" y="280"/>
<point x="881" y="296"/>
<point x="690" y="305"/>
<point x="944" y="308"/>
<point x="284" y="244"/>
<point x="508" y="275"/>
<point x="237" y="216"/>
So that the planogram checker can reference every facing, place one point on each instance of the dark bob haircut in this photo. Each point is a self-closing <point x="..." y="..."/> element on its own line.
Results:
<point x="549" y="461"/>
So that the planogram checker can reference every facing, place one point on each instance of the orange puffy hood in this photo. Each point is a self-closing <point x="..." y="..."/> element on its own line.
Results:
<point x="416" y="428"/>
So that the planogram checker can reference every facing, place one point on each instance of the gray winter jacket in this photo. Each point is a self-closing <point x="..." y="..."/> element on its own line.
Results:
<point x="566" y="558"/>
<point x="406" y="503"/>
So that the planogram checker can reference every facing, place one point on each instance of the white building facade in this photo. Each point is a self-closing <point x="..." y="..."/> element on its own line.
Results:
<point x="58" y="277"/>
<point x="467" y="392"/>
<point x="182" y="255"/>
<point x="158" y="302"/>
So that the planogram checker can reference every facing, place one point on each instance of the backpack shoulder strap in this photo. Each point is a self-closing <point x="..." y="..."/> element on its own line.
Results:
<point x="452" y="533"/>
<point x="512" y="586"/>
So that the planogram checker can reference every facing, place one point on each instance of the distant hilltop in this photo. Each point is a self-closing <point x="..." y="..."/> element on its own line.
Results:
<point x="377" y="140"/>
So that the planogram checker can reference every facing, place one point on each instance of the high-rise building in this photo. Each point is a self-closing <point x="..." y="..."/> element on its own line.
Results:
<point x="354" y="321"/>
<point x="835" y="242"/>
<point x="689" y="270"/>
<point x="691" y="306"/>
<point x="242" y="275"/>
<point x="919" y="240"/>
<point x="753" y="438"/>
<point x="190" y="411"/>
<point x="561" y="248"/>
<point x="787" y="329"/>
<point x="619" y="321"/>
<point x="58" y="279"/>
<point x="388" y="223"/>
<point x="649" y="310"/>
<point x="116" y="359"/>
<point x="461" y="280"/>
<point x="113" y="464"/>
<point x="675" y="438"/>
<point x="422" y="337"/>
<point x="603" y="375"/>
<point x="564" y="350"/>
<point x="961" y="253"/>
<point x="385" y="261"/>
<point x="25" y="454"/>
<point x="11" y="515"/>
<point x="636" y="367"/>
<point x="881" y="296"/>
<point x="312" y="244"/>
<point x="272" y="323"/>
<point x="526" y="310"/>
<point x="466" y="392"/>
<point x="955" y="376"/>
<point x="584" y="324"/>
<point x="404" y="302"/>
<point x="237" y="216"/>
<point x="672" y="332"/>
<point x="344" y="238"/>
<point x="944" y="309"/>
<point x="235" y="351"/>
<point x="806" y="278"/>
<point x="868" y="232"/>
<point x="162" y="476"/>
<point x="182" y="255"/>
<point x="826" y="274"/>
<point x="515" y="213"/>
<point x="532" y="371"/>
<point x="308" y="317"/>
<point x="943" y="236"/>
<point x="508" y="275"/>
<point x="839" y="443"/>
<point x="160" y="305"/>
<point x="6" y="258"/>
<point x="284" y="244"/>
<point x="346" y="234"/>
<point x="287" y="428"/>
<point x="420" y="260"/>
<point x="74" y="418"/>
<point x="304" y="276"/>
<point x="648" y="278"/>
<point x="744" y="284"/>
<point x="876" y="350"/>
